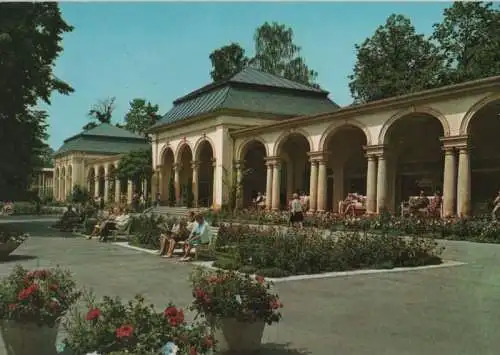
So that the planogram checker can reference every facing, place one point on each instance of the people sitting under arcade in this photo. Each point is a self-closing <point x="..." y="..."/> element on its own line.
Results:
<point x="304" y="201"/>
<point x="418" y="203"/>
<point x="353" y="205"/>
<point x="259" y="201"/>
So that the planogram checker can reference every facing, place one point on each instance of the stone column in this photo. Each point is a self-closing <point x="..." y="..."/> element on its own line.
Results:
<point x="381" y="184"/>
<point x="130" y="191"/>
<point x="195" y="184"/>
<point x="269" y="185"/>
<point x="239" y="181"/>
<point x="449" y="182"/>
<point x="214" y="188"/>
<point x="313" y="186"/>
<point x="371" y="185"/>
<point x="117" y="191"/>
<point x="96" y="181"/>
<point x="463" y="185"/>
<point x="106" y="184"/>
<point x="177" y="183"/>
<point x="322" y="198"/>
<point x="276" y="186"/>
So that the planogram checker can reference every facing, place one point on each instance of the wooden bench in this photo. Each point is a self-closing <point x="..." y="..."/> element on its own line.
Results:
<point x="213" y="232"/>
<point x="405" y="207"/>
<point x="357" y="207"/>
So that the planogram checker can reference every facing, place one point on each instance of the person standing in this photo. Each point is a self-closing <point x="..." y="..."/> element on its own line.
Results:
<point x="296" y="214"/>
<point x="496" y="206"/>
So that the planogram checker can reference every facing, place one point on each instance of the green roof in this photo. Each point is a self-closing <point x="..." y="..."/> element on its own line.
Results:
<point x="103" y="139"/>
<point x="254" y="91"/>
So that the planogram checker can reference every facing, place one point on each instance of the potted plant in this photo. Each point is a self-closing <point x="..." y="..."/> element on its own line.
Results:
<point x="114" y="327"/>
<point x="10" y="241"/>
<point x="236" y="306"/>
<point x="31" y="305"/>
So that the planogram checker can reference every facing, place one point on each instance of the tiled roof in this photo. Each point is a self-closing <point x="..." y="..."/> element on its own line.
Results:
<point x="253" y="91"/>
<point x="103" y="139"/>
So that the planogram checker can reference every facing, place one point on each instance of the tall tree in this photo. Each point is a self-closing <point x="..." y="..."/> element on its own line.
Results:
<point x="30" y="42"/>
<point x="275" y="53"/>
<point x="141" y="116"/>
<point x="101" y="112"/>
<point x="469" y="40"/>
<point x="394" y="61"/>
<point x="136" y="166"/>
<point x="227" y="61"/>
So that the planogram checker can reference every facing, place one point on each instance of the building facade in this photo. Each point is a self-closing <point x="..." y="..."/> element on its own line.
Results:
<point x="90" y="159"/>
<point x="278" y="137"/>
<point x="43" y="183"/>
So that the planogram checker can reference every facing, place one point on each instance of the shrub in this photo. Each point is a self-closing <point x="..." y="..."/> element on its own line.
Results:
<point x="146" y="230"/>
<point x="114" y="327"/>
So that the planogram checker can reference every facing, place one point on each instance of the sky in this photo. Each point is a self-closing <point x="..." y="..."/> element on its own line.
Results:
<point x="160" y="50"/>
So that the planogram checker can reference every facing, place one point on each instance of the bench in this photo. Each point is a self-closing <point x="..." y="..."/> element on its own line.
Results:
<point x="405" y="207"/>
<point x="353" y="208"/>
<point x="213" y="232"/>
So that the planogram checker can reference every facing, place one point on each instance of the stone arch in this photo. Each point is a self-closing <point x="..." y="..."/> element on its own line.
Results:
<point x="292" y="132"/>
<point x="204" y="156"/>
<point x="252" y="153"/>
<point x="198" y="146"/>
<point x="242" y="149"/>
<point x="336" y="126"/>
<point x="180" y="150"/>
<point x="382" y="138"/>
<point x="163" y="153"/>
<point x="69" y="178"/>
<point x="471" y="113"/>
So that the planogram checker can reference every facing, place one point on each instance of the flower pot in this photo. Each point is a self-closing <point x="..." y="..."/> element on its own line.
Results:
<point x="28" y="338"/>
<point x="232" y="335"/>
<point x="7" y="248"/>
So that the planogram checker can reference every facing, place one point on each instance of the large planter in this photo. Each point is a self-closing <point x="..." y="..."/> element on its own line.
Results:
<point x="7" y="248"/>
<point x="28" y="338"/>
<point x="234" y="336"/>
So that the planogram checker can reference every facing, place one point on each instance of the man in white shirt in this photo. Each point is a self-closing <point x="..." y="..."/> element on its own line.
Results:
<point x="200" y="234"/>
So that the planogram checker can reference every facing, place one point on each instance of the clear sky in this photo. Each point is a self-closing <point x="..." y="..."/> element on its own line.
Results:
<point x="159" y="51"/>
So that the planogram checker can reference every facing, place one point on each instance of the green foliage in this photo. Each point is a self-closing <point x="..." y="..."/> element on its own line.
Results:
<point x="220" y="294"/>
<point x="227" y="61"/>
<point x="469" y="41"/>
<point x="146" y="230"/>
<point x="79" y="194"/>
<point x="171" y="191"/>
<point x="40" y="296"/>
<point x="141" y="116"/>
<point x="394" y="61"/>
<point x="112" y="326"/>
<point x="30" y="42"/>
<point x="275" y="53"/>
<point x="102" y="111"/>
<point x="188" y="194"/>
<point x="30" y="208"/>
<point x="136" y="166"/>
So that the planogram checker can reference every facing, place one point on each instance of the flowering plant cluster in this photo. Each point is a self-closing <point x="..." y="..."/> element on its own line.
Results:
<point x="224" y="294"/>
<point x="7" y="236"/>
<point x="41" y="296"/>
<point x="111" y="326"/>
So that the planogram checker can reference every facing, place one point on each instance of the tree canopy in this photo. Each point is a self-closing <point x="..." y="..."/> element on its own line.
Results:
<point x="100" y="112"/>
<point x="30" y="42"/>
<point x="275" y="53"/>
<point x="136" y="165"/>
<point x="141" y="116"/>
<point x="397" y="60"/>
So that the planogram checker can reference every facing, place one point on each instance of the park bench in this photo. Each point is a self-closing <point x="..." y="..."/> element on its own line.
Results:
<point x="425" y="212"/>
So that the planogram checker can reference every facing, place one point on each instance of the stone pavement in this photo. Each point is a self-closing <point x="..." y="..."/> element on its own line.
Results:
<point x="447" y="311"/>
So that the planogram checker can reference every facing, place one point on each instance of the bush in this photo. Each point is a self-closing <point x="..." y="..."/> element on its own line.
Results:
<point x="29" y="208"/>
<point x="146" y="230"/>
<point x="277" y="254"/>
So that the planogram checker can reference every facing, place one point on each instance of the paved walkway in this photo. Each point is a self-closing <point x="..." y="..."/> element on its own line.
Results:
<point x="448" y="311"/>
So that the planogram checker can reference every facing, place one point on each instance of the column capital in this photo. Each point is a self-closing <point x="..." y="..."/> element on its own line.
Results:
<point x="176" y="166"/>
<point x="270" y="161"/>
<point x="455" y="142"/>
<point x="214" y="163"/>
<point x="239" y="164"/>
<point x="378" y="150"/>
<point x="319" y="156"/>
<point x="195" y="164"/>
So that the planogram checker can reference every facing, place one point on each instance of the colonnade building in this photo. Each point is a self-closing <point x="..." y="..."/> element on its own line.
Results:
<point x="279" y="137"/>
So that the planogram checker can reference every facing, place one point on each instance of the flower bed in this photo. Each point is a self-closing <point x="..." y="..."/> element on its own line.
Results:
<point x="275" y="253"/>
<point x="29" y="208"/>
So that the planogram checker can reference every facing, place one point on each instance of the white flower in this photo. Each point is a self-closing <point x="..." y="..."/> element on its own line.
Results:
<point x="238" y="299"/>
<point x="170" y="349"/>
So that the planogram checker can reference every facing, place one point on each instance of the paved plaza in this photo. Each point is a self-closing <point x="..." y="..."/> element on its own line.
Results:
<point x="446" y="311"/>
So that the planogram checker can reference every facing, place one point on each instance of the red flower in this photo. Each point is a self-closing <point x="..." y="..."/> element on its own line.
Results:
<point x="208" y="341"/>
<point x="54" y="305"/>
<point x="41" y="274"/>
<point x="199" y="293"/>
<point x="27" y="292"/>
<point x="193" y="351"/>
<point x="176" y="316"/>
<point x="53" y="287"/>
<point x="170" y="312"/>
<point x="12" y="307"/>
<point x="260" y="279"/>
<point x="125" y="331"/>
<point x="93" y="314"/>
<point x="275" y="304"/>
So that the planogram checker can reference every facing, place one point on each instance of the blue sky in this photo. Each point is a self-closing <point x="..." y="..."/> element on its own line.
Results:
<point x="159" y="51"/>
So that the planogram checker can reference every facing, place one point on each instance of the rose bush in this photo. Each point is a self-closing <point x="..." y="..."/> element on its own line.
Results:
<point x="224" y="294"/>
<point x="114" y="327"/>
<point x="41" y="296"/>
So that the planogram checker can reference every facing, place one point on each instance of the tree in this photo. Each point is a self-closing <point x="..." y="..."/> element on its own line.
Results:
<point x="275" y="53"/>
<point x="227" y="61"/>
<point x="101" y="112"/>
<point x="30" y="42"/>
<point x="141" y="116"/>
<point x="394" y="61"/>
<point x="469" y="40"/>
<point x="136" y="166"/>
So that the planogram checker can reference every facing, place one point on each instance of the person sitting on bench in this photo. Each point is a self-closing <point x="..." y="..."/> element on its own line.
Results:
<point x="179" y="233"/>
<point x="103" y="218"/>
<point x="118" y="222"/>
<point x="419" y="203"/>
<point x="199" y="235"/>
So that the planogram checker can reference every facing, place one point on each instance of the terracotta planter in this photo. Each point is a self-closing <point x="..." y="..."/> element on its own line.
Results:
<point x="7" y="248"/>
<point x="232" y="336"/>
<point x="28" y="338"/>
